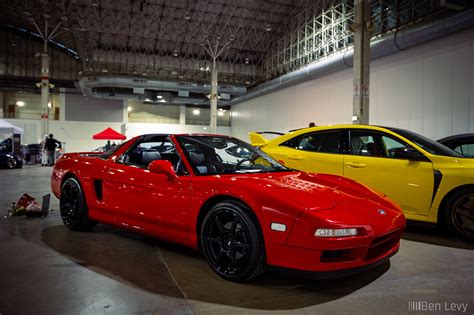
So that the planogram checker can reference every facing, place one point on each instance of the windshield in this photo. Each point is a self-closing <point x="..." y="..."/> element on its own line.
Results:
<point x="426" y="144"/>
<point x="221" y="155"/>
<point x="110" y="151"/>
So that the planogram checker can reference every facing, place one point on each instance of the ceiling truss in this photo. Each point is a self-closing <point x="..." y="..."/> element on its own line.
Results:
<point x="167" y="39"/>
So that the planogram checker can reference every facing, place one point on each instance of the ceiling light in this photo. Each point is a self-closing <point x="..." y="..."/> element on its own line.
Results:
<point x="220" y="113"/>
<point x="129" y="108"/>
<point x="196" y="112"/>
<point x="20" y="103"/>
<point x="49" y="104"/>
<point x="159" y="96"/>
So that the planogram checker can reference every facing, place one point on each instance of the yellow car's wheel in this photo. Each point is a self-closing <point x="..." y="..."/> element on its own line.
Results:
<point x="460" y="214"/>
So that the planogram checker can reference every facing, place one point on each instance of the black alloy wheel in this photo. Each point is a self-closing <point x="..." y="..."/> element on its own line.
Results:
<point x="11" y="163"/>
<point x="460" y="216"/>
<point x="73" y="206"/>
<point x="232" y="242"/>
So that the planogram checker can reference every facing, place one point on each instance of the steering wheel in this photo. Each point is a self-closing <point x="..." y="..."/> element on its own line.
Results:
<point x="250" y="159"/>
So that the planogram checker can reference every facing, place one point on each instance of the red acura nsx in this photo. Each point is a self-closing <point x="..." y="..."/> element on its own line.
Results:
<point x="241" y="208"/>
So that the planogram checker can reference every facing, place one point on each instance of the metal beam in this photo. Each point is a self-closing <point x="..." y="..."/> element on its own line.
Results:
<point x="361" y="68"/>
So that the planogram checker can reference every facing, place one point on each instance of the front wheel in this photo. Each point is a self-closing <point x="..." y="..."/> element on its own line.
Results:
<point x="11" y="163"/>
<point x="460" y="214"/>
<point x="73" y="207"/>
<point x="232" y="243"/>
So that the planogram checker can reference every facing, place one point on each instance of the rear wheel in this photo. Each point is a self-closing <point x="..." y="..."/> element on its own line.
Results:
<point x="73" y="206"/>
<point x="11" y="163"/>
<point x="460" y="214"/>
<point x="232" y="243"/>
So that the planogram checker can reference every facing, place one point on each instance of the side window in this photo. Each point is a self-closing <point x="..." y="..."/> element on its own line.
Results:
<point x="154" y="148"/>
<point x="466" y="149"/>
<point x="376" y="144"/>
<point x="366" y="143"/>
<point x="391" y="145"/>
<point x="322" y="141"/>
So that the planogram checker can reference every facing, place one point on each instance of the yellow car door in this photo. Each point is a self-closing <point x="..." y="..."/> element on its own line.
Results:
<point x="316" y="152"/>
<point x="380" y="161"/>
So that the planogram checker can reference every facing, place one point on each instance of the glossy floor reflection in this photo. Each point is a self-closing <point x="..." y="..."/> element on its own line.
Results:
<point x="48" y="269"/>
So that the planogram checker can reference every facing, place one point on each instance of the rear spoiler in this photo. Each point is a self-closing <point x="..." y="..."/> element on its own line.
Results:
<point x="258" y="140"/>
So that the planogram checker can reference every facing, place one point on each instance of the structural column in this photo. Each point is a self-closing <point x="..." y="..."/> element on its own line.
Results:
<point x="182" y="115"/>
<point x="44" y="93"/>
<point x="125" y="118"/>
<point x="361" y="79"/>
<point x="213" y="124"/>
<point x="62" y="104"/>
<point x="46" y="36"/>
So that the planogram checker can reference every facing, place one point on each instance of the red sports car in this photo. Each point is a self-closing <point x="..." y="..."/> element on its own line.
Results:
<point x="241" y="208"/>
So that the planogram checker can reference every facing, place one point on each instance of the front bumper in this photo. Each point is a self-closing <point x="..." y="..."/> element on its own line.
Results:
<point x="336" y="254"/>
<point x="324" y="275"/>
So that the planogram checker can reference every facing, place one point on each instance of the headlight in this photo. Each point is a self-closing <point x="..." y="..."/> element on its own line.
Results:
<point x="335" y="232"/>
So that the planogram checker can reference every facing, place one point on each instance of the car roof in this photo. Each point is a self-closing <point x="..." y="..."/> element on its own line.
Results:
<point x="457" y="137"/>
<point x="340" y="126"/>
<point x="184" y="134"/>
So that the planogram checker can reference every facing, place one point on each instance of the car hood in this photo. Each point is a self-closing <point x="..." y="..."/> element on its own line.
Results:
<point x="319" y="191"/>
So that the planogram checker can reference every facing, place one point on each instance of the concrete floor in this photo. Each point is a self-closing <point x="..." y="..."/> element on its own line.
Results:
<point x="47" y="269"/>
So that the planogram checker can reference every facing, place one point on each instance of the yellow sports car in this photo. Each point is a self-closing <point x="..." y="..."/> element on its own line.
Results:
<point x="431" y="182"/>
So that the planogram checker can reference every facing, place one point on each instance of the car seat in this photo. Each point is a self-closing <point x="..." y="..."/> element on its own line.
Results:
<point x="149" y="156"/>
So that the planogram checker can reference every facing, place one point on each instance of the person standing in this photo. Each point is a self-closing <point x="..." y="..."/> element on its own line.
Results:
<point x="107" y="146"/>
<point x="44" y="154"/>
<point x="51" y="145"/>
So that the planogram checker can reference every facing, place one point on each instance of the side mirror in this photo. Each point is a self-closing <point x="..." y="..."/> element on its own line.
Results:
<point x="409" y="154"/>
<point x="163" y="167"/>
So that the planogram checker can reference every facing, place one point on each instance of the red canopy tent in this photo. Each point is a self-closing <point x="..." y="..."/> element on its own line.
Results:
<point x="109" y="134"/>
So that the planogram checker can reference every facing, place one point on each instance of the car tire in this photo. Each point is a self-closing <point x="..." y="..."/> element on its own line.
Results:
<point x="73" y="207"/>
<point x="11" y="163"/>
<point x="460" y="214"/>
<point x="232" y="242"/>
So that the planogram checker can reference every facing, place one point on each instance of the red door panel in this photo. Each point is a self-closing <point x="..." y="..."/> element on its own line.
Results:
<point x="146" y="201"/>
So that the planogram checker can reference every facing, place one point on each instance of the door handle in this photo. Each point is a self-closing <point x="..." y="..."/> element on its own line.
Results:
<point x="355" y="165"/>
<point x="294" y="157"/>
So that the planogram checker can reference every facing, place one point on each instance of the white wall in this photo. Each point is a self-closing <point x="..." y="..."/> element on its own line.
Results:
<point x="428" y="89"/>
<point x="32" y="129"/>
<point x="78" y="134"/>
<point x="135" y="129"/>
